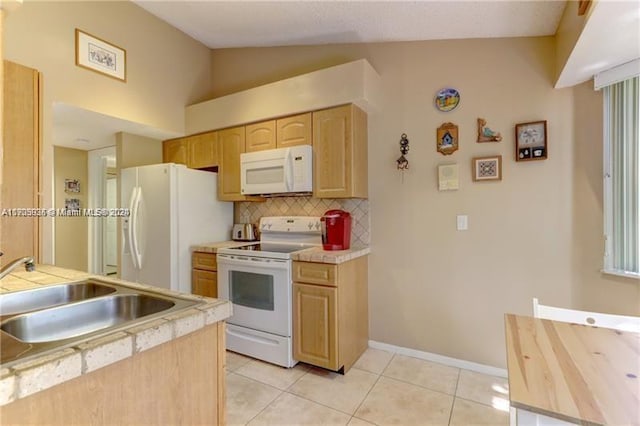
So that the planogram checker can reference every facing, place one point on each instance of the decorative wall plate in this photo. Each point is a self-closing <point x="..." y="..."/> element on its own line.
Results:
<point x="447" y="99"/>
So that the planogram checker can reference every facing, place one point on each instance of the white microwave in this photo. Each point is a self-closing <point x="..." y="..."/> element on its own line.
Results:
<point x="277" y="171"/>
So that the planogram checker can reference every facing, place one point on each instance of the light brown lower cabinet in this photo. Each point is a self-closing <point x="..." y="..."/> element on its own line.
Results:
<point x="179" y="382"/>
<point x="204" y="275"/>
<point x="330" y="313"/>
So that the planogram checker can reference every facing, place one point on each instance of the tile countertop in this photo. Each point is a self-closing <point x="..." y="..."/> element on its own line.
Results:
<point x="213" y="247"/>
<point x="314" y="254"/>
<point x="19" y="379"/>
<point x="317" y="254"/>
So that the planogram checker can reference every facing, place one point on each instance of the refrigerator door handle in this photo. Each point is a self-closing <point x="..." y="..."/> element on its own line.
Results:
<point x="135" y="224"/>
<point x="128" y="225"/>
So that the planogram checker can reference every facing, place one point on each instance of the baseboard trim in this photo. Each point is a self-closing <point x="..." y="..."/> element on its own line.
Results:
<point x="453" y="362"/>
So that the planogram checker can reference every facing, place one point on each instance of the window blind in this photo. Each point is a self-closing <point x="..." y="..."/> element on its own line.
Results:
<point x="622" y="178"/>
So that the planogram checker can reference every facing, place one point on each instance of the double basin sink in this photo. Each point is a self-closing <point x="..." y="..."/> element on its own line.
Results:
<point x="57" y="316"/>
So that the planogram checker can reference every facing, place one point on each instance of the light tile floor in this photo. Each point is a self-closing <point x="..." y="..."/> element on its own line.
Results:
<point x="382" y="388"/>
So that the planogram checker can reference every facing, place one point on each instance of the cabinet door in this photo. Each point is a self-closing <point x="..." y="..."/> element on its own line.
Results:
<point x="175" y="151"/>
<point x="231" y="143"/>
<point x="203" y="150"/>
<point x="315" y="337"/>
<point x="294" y="130"/>
<point x="340" y="153"/>
<point x="204" y="283"/>
<point x="20" y="165"/>
<point x="261" y="136"/>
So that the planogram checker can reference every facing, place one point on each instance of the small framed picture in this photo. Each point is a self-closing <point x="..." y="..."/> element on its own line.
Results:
<point x="531" y="141"/>
<point x="72" y="204"/>
<point x="487" y="168"/>
<point x="71" y="185"/>
<point x="100" y="56"/>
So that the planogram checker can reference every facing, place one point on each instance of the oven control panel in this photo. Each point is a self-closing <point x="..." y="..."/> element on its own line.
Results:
<point x="290" y="224"/>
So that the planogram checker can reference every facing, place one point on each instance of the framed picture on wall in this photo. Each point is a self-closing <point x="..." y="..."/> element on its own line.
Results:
<point x="72" y="204"/>
<point x="531" y="141"/>
<point x="100" y="56"/>
<point x="487" y="168"/>
<point x="71" y="185"/>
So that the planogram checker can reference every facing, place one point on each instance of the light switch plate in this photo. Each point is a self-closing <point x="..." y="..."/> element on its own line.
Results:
<point x="462" y="222"/>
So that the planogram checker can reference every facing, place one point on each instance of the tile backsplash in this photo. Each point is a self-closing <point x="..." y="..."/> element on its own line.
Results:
<point x="251" y="212"/>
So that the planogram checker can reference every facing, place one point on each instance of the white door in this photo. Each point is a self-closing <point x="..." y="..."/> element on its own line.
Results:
<point x="154" y="225"/>
<point x="260" y="290"/>
<point x="201" y="218"/>
<point x="148" y="232"/>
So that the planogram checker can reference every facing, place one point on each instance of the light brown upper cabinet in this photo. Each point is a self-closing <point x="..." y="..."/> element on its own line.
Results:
<point x="340" y="153"/>
<point x="175" y="151"/>
<point x="294" y="130"/>
<point x="280" y="133"/>
<point x="196" y="152"/>
<point x="203" y="150"/>
<point x="20" y="160"/>
<point x="231" y="143"/>
<point x="261" y="136"/>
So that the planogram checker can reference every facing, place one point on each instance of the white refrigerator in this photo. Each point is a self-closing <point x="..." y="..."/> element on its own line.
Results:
<point x="171" y="208"/>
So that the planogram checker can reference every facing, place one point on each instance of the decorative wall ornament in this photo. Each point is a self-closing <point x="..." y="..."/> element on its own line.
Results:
<point x="100" y="56"/>
<point x="531" y="141"/>
<point x="487" y="168"/>
<point x="447" y="99"/>
<point x="71" y="185"/>
<point x="448" y="177"/>
<point x="72" y="204"/>
<point x="403" y="163"/>
<point x="485" y="134"/>
<point x="447" y="138"/>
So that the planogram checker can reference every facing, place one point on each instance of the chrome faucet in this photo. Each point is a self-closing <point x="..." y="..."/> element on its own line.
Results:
<point x="29" y="265"/>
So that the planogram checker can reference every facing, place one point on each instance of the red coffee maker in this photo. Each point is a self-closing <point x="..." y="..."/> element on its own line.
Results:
<point x="336" y="230"/>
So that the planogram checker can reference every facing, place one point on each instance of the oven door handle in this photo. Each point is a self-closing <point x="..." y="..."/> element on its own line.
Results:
<point x="251" y="261"/>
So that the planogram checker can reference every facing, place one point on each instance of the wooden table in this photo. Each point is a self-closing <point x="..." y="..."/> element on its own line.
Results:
<point x="571" y="372"/>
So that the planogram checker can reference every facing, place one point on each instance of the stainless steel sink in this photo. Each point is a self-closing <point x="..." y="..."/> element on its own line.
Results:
<point x="39" y="320"/>
<point x="45" y="297"/>
<point x="81" y="318"/>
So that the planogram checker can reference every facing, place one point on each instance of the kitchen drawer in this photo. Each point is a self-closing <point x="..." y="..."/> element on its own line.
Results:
<point x="204" y="283"/>
<point x="315" y="273"/>
<point x="206" y="261"/>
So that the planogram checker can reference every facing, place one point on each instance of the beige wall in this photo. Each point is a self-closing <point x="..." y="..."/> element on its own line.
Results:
<point x="166" y="69"/>
<point x="71" y="233"/>
<point x="134" y="150"/>
<point x="433" y="288"/>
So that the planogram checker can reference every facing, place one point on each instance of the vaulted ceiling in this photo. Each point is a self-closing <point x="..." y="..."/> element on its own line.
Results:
<point x="224" y="24"/>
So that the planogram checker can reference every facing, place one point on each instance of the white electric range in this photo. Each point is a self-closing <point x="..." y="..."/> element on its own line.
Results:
<point x="256" y="278"/>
